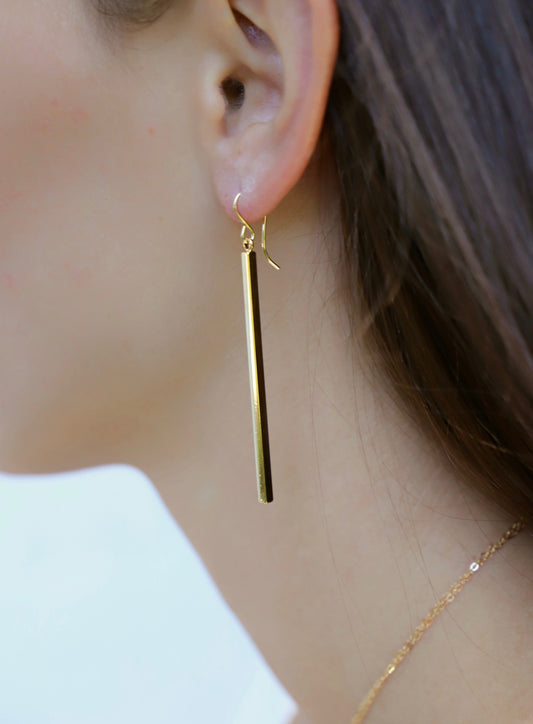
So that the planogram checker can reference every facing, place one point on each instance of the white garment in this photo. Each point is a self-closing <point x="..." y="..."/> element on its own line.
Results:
<point x="107" y="614"/>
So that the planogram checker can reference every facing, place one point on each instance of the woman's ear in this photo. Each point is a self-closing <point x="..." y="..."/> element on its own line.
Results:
<point x="266" y="84"/>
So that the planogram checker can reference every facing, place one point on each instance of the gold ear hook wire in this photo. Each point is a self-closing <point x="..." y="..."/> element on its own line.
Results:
<point x="263" y="244"/>
<point x="249" y="241"/>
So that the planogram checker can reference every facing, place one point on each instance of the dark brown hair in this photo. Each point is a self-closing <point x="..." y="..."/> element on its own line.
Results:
<point x="430" y="118"/>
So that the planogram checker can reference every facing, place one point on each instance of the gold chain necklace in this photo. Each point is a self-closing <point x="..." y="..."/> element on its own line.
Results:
<point x="422" y="627"/>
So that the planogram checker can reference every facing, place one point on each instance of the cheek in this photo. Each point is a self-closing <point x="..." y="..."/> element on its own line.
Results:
<point x="42" y="68"/>
<point x="45" y="121"/>
<point x="41" y="64"/>
<point x="102" y="197"/>
<point x="40" y="51"/>
<point x="84" y="153"/>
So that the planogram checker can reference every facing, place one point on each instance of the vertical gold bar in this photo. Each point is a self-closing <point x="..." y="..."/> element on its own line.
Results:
<point x="257" y="377"/>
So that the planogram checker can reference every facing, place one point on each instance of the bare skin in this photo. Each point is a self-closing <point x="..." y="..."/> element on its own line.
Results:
<point x="124" y="342"/>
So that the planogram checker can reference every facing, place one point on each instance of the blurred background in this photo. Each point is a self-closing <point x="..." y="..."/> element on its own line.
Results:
<point x="108" y="615"/>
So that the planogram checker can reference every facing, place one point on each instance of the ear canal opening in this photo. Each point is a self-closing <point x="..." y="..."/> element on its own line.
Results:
<point x="234" y="93"/>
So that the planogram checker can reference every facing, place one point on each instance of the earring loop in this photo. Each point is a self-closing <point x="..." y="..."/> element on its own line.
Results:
<point x="249" y="241"/>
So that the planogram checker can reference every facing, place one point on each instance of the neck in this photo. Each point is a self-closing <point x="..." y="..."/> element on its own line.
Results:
<point x="370" y="523"/>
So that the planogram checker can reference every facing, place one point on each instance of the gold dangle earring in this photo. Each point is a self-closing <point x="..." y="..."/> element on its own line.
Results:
<point x="255" y="355"/>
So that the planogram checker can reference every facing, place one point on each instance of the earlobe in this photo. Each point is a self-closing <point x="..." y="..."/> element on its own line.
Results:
<point x="274" y="74"/>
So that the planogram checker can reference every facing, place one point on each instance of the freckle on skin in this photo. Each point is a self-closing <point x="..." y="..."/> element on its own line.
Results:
<point x="9" y="279"/>
<point x="79" y="114"/>
<point x="54" y="102"/>
<point x="80" y="274"/>
<point x="42" y="126"/>
<point x="151" y="130"/>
